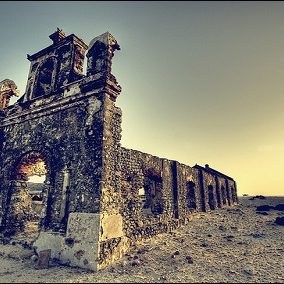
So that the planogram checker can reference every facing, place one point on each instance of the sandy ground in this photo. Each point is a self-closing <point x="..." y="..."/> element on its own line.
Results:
<point x="227" y="245"/>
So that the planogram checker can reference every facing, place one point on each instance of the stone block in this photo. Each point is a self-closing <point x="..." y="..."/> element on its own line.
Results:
<point x="111" y="227"/>
<point x="49" y="240"/>
<point x="80" y="247"/>
<point x="43" y="259"/>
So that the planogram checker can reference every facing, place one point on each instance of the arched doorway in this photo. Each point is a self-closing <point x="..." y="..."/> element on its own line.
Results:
<point x="228" y="196"/>
<point x="191" y="195"/>
<point x="234" y="195"/>
<point x="28" y="201"/>
<point x="224" y="195"/>
<point x="211" y="197"/>
<point x="152" y="192"/>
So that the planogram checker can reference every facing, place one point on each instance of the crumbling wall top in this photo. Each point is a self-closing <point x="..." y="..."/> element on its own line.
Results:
<point x="107" y="38"/>
<point x="8" y="89"/>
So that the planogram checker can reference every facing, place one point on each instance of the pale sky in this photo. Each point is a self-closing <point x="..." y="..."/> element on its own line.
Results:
<point x="202" y="82"/>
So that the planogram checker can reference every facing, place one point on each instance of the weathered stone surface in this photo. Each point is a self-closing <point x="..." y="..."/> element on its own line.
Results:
<point x="8" y="89"/>
<point x="49" y="241"/>
<point x="98" y="198"/>
<point x="111" y="227"/>
<point x="80" y="246"/>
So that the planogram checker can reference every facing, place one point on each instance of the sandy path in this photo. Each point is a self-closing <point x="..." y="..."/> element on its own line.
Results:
<point x="227" y="245"/>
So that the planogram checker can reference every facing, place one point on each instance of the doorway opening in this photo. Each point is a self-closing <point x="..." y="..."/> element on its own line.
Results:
<point x="29" y="197"/>
<point x="191" y="196"/>
<point x="211" y="197"/>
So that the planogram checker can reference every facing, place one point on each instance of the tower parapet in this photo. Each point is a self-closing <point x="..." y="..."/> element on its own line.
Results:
<point x="100" y="54"/>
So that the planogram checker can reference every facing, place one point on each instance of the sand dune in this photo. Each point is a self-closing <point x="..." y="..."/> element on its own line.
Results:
<point x="227" y="245"/>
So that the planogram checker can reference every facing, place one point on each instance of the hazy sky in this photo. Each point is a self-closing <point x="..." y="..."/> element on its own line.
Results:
<point x="202" y="82"/>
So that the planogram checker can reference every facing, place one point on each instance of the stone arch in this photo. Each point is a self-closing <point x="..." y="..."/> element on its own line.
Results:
<point x="211" y="197"/>
<point x="44" y="82"/>
<point x="191" y="194"/>
<point x="26" y="214"/>
<point x="152" y="190"/>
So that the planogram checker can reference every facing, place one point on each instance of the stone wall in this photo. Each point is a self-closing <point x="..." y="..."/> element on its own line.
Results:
<point x="176" y="190"/>
<point x="63" y="148"/>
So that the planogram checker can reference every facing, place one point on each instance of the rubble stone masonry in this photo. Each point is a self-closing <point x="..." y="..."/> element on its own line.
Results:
<point x="98" y="198"/>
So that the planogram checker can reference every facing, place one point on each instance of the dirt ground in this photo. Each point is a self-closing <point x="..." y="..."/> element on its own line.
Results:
<point x="227" y="245"/>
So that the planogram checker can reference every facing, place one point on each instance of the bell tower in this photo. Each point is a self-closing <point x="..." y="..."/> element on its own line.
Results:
<point x="55" y="66"/>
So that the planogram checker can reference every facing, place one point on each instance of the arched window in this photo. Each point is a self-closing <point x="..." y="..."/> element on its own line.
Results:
<point x="45" y="78"/>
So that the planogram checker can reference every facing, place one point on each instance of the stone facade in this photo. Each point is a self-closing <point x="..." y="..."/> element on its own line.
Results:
<point x="98" y="198"/>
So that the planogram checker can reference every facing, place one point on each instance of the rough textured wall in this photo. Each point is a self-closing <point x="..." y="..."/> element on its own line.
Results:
<point x="147" y="191"/>
<point x="62" y="148"/>
<point x="189" y="199"/>
<point x="69" y="122"/>
<point x="176" y="190"/>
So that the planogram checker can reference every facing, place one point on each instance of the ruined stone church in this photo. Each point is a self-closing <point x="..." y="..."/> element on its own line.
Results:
<point x="96" y="198"/>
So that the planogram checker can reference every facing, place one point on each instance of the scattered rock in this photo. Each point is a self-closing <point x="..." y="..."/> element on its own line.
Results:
<point x="279" y="221"/>
<point x="249" y="271"/>
<point x="264" y="208"/>
<point x="279" y="207"/>
<point x="43" y="259"/>
<point x="260" y="197"/>
<point x="163" y="278"/>
<point x="222" y="228"/>
<point x="136" y="262"/>
<point x="124" y="263"/>
<point x="257" y="197"/>
<point x="189" y="259"/>
<point x="176" y="252"/>
<point x="141" y="251"/>
<point x="34" y="258"/>
<point x="257" y="235"/>
<point x="205" y="245"/>
<point x="229" y="238"/>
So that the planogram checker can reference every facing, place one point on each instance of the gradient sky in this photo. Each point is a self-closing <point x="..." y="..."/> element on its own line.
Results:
<point x="202" y="82"/>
